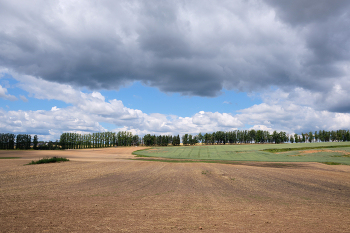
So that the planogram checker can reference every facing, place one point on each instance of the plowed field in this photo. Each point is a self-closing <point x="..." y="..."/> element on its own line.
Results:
<point x="104" y="191"/>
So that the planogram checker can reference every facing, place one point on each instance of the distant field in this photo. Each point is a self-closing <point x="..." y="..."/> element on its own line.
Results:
<point x="334" y="152"/>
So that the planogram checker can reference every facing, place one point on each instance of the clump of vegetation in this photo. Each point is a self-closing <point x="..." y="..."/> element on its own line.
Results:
<point x="49" y="160"/>
<point x="332" y="163"/>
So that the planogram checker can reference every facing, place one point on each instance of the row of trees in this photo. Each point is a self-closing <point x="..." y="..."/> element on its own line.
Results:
<point x="161" y="140"/>
<point x="219" y="137"/>
<point x="23" y="141"/>
<point x="98" y="140"/>
<point x="321" y="136"/>
<point x="238" y="136"/>
<point x="260" y="136"/>
<point x="123" y="138"/>
<point x="188" y="139"/>
<point x="8" y="141"/>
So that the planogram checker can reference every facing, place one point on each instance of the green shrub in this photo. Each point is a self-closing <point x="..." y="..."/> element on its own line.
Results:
<point x="332" y="163"/>
<point x="48" y="160"/>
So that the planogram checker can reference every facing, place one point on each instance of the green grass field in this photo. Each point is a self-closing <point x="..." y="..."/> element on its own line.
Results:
<point x="333" y="152"/>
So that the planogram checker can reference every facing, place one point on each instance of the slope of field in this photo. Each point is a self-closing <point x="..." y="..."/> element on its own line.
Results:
<point x="102" y="192"/>
<point x="327" y="152"/>
<point x="98" y="154"/>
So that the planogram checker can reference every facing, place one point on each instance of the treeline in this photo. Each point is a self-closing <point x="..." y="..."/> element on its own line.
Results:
<point x="98" y="140"/>
<point x="9" y="141"/>
<point x="70" y="141"/>
<point x="219" y="137"/>
<point x="254" y="136"/>
<point x="236" y="136"/>
<point x="123" y="138"/>
<point x="23" y="141"/>
<point x="322" y="136"/>
<point x="161" y="140"/>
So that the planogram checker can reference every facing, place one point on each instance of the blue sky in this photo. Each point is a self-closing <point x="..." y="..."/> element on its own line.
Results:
<point x="151" y="100"/>
<point x="173" y="67"/>
<point x="138" y="96"/>
<point x="32" y="104"/>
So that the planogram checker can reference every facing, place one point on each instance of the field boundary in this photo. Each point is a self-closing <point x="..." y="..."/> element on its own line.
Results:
<point x="302" y="148"/>
<point x="231" y="162"/>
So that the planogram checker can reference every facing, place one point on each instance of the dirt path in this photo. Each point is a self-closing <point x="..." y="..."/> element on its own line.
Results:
<point x="91" y="193"/>
<point x="99" y="154"/>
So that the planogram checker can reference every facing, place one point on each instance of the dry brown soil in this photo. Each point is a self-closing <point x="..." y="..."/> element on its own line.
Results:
<point x="324" y="150"/>
<point x="104" y="191"/>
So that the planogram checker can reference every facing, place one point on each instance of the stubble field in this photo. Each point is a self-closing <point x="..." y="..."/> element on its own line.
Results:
<point x="103" y="190"/>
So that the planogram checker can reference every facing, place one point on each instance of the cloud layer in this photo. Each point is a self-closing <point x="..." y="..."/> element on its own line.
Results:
<point x="191" y="47"/>
<point x="4" y="95"/>
<point x="87" y="110"/>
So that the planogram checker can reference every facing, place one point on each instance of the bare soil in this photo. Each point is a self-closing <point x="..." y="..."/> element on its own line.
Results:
<point x="324" y="150"/>
<point x="102" y="190"/>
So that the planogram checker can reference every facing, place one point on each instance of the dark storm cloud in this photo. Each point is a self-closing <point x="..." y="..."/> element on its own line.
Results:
<point x="324" y="26"/>
<point x="191" y="47"/>
<point x="301" y="12"/>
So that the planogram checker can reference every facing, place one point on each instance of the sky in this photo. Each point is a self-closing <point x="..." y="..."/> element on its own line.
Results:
<point x="173" y="67"/>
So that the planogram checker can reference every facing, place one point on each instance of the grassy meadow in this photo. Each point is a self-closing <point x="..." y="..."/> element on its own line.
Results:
<point x="329" y="152"/>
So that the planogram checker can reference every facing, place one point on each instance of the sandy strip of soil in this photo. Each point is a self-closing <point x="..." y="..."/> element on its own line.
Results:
<point x="98" y="154"/>
<point x="324" y="150"/>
